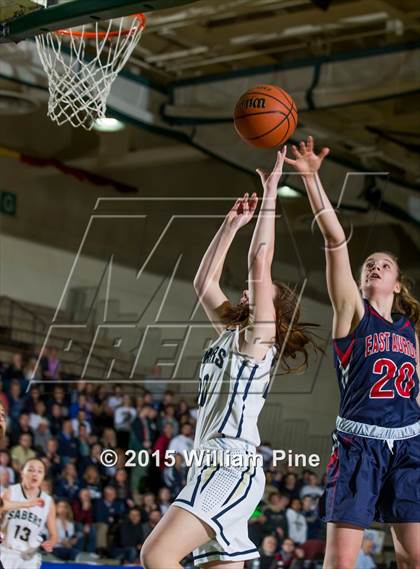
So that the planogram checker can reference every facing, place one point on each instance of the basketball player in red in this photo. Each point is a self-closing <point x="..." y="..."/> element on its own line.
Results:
<point x="374" y="471"/>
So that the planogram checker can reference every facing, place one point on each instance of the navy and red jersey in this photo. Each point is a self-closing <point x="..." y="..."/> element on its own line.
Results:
<point x="376" y="369"/>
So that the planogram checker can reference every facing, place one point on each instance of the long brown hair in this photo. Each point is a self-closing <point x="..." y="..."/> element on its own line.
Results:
<point x="292" y="336"/>
<point x="404" y="301"/>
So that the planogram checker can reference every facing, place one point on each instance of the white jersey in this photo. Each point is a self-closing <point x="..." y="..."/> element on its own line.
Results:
<point x="233" y="389"/>
<point x="22" y="529"/>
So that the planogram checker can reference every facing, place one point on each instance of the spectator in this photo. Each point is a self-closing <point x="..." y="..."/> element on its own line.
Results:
<point x="108" y="511"/>
<point x="39" y="413"/>
<point x="83" y="516"/>
<point x="365" y="559"/>
<point x="267" y="552"/>
<point x="22" y="452"/>
<point x="168" y="416"/>
<point x="148" y="527"/>
<point x="82" y="404"/>
<point x="16" y="401"/>
<point x="14" y="372"/>
<point x="129" y="537"/>
<point x="289" y="557"/>
<point x="183" y="409"/>
<point x="109" y="439"/>
<point x="312" y="489"/>
<point x="94" y="459"/>
<point x="42" y="436"/>
<point x="102" y="412"/>
<point x="66" y="533"/>
<point x="149" y="502"/>
<point x="296" y="522"/>
<point x="269" y="488"/>
<point x="121" y="488"/>
<point x="167" y="399"/>
<point x="5" y="466"/>
<point x="141" y="439"/>
<point x="67" y="486"/>
<point x="183" y="443"/>
<point x="313" y="520"/>
<point x="116" y="398"/>
<point x="84" y="443"/>
<point x="81" y="420"/>
<point x="275" y="514"/>
<point x="175" y="477"/>
<point x="124" y="416"/>
<point x="30" y="373"/>
<point x="67" y="443"/>
<point x="32" y="399"/>
<point x="56" y="419"/>
<point x="59" y="398"/>
<point x="289" y="485"/>
<point x="54" y="458"/>
<point x="50" y="364"/>
<point x="22" y="427"/>
<point x="164" y="499"/>
<point x="92" y="482"/>
<point x="162" y="444"/>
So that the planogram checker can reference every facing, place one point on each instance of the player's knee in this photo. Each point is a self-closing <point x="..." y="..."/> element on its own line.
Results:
<point x="151" y="557"/>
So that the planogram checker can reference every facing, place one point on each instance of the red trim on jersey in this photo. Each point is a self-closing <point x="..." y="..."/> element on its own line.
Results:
<point x="333" y="459"/>
<point x="406" y="325"/>
<point x="374" y="313"/>
<point x="344" y="357"/>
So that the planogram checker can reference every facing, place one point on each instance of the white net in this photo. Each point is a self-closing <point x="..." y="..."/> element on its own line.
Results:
<point x="81" y="66"/>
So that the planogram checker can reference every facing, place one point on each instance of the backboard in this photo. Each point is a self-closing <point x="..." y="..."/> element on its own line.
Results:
<point x="70" y="14"/>
<point x="10" y="9"/>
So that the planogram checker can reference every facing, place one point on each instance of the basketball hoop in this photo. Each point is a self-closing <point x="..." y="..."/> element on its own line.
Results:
<point x="81" y="65"/>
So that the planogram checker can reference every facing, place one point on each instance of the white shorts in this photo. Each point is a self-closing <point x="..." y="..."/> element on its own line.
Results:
<point x="12" y="559"/>
<point x="225" y="497"/>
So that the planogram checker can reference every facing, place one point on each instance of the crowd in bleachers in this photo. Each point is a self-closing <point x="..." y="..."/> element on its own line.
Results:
<point x="109" y="511"/>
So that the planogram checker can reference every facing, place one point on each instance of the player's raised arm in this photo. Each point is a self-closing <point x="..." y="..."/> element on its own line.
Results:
<point x="207" y="279"/>
<point x="7" y="506"/>
<point x="342" y="287"/>
<point x="260" y="333"/>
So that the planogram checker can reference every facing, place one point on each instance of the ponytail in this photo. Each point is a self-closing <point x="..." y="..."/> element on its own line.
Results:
<point x="292" y="336"/>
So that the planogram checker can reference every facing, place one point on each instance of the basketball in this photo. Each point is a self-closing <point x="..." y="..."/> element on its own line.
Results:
<point x="265" y="116"/>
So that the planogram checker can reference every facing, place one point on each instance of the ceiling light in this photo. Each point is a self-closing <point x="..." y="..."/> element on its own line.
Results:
<point x="287" y="192"/>
<point x="108" y="124"/>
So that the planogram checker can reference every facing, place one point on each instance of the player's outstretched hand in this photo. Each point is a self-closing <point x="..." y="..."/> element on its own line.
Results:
<point x="242" y="211"/>
<point x="306" y="161"/>
<point x="47" y="546"/>
<point x="270" y="180"/>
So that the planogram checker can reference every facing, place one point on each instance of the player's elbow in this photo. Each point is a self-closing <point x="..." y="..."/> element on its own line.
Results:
<point x="334" y="237"/>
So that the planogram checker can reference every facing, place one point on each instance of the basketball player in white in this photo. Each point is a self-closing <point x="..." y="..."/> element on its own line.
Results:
<point x="23" y="529"/>
<point x="210" y="515"/>
<point x="7" y="506"/>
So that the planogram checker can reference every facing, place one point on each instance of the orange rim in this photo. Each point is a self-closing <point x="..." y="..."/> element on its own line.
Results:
<point x="141" y="18"/>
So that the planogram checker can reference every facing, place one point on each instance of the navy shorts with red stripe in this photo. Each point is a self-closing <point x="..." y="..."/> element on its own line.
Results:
<point x="369" y="481"/>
